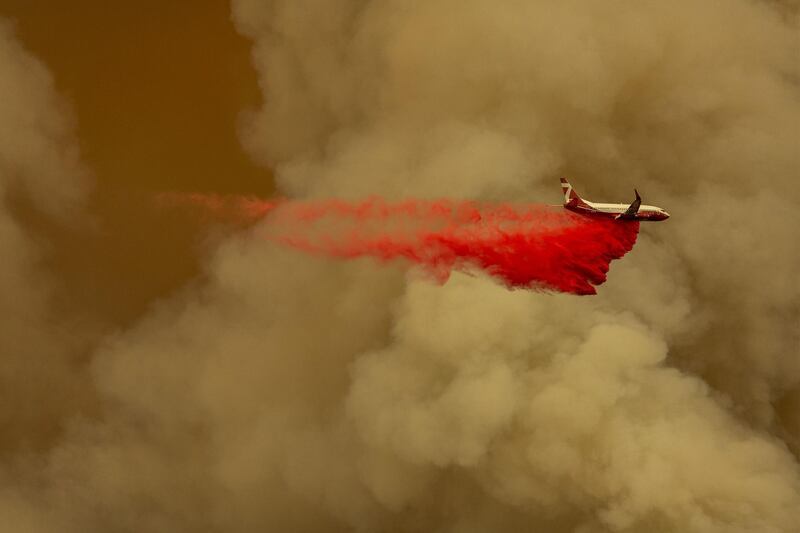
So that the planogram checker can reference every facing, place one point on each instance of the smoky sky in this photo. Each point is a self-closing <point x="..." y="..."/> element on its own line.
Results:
<point x="276" y="392"/>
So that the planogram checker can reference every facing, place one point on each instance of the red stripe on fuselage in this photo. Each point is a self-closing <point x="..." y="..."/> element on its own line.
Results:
<point x="586" y="210"/>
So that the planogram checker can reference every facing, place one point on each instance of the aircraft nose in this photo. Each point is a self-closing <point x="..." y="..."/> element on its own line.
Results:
<point x="664" y="215"/>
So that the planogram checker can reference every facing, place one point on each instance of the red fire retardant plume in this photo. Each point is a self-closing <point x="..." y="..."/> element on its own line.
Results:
<point x="525" y="246"/>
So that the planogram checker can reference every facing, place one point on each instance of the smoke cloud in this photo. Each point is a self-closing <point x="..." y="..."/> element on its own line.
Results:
<point x="284" y="394"/>
<point x="38" y="166"/>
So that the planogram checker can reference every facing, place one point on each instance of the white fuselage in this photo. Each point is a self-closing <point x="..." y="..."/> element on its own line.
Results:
<point x="616" y="209"/>
<point x="645" y="212"/>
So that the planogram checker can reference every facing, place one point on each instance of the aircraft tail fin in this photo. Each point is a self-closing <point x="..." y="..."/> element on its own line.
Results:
<point x="570" y="196"/>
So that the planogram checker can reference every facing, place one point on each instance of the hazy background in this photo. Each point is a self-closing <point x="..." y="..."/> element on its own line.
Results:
<point x="161" y="376"/>
<point x="156" y="90"/>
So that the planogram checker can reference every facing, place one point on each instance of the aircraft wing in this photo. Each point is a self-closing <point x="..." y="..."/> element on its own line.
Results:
<point x="634" y="207"/>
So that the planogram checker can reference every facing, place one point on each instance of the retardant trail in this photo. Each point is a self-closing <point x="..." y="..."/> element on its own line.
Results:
<point x="531" y="246"/>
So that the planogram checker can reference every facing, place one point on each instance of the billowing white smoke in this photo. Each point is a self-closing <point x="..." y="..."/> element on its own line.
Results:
<point x="297" y="395"/>
<point x="695" y="104"/>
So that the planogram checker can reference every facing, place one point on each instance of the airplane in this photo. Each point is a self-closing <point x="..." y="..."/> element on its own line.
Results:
<point x="635" y="211"/>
